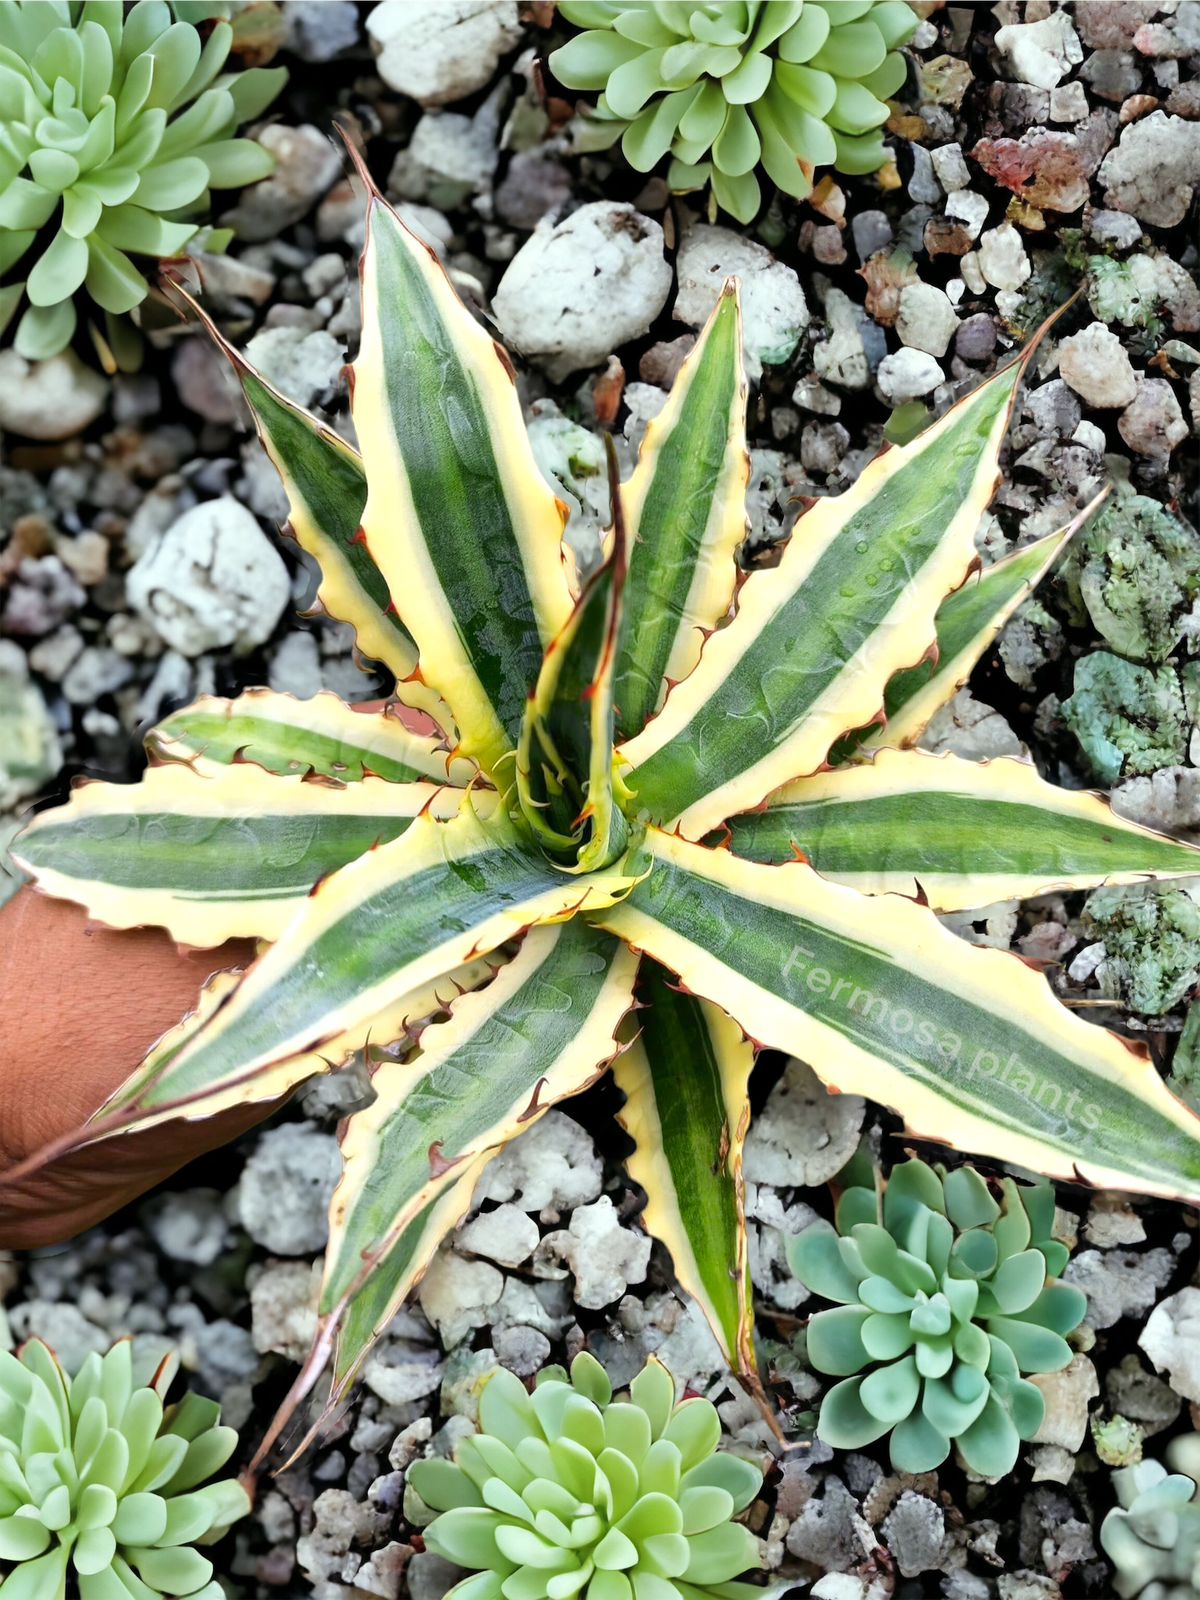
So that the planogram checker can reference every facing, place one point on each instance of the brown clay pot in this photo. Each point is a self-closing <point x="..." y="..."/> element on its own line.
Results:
<point x="82" y="1004"/>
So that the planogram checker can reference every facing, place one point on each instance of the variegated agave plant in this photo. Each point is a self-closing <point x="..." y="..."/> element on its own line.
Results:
<point x="625" y="820"/>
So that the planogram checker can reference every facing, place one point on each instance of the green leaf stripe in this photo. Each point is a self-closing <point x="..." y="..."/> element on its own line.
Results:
<point x="327" y="491"/>
<point x="217" y="854"/>
<point x="432" y="413"/>
<point x="478" y="1077"/>
<point x="328" y="478"/>
<point x="927" y="833"/>
<point x="685" y="510"/>
<point x="966" y="833"/>
<point x="896" y="1007"/>
<point x="384" y="1292"/>
<point x="967" y="622"/>
<point x="782" y="675"/>
<point x="246" y="857"/>
<point x="384" y="925"/>
<point x="687" y="1109"/>
<point x="299" y="737"/>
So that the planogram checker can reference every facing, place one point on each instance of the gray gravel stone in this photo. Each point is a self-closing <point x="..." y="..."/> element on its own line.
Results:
<point x="804" y="1134"/>
<point x="283" y="1198"/>
<point x="213" y="579"/>
<point x="52" y="399"/>
<point x="907" y="375"/>
<point x="1119" y="1283"/>
<point x="579" y="289"/>
<point x="439" y="51"/>
<point x="774" y="310"/>
<point x="1154" y="169"/>
<point x="303" y="365"/>
<point x="190" y="1226"/>
<point x="319" y="30"/>
<point x="1171" y="1338"/>
<point x="306" y="165"/>
<point x="550" y="1169"/>
<point x="1096" y="366"/>
<point x="951" y="167"/>
<point x="603" y="1256"/>
<point x="926" y="319"/>
<point x="1152" y="424"/>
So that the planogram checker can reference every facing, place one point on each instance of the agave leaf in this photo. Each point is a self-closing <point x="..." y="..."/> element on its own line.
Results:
<point x="687" y="1107"/>
<point x="813" y="643"/>
<point x="969" y="1045"/>
<point x="321" y="736"/>
<point x="458" y="518"/>
<point x="225" y="853"/>
<point x="393" y="921"/>
<point x="327" y="491"/>
<point x="960" y="833"/>
<point x="543" y="1029"/>
<point x="151" y="1095"/>
<point x="966" y="623"/>
<point x="685" y="516"/>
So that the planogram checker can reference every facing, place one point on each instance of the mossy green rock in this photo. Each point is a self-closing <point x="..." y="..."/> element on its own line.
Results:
<point x="1151" y="944"/>
<point x="1129" y="719"/>
<point x="1138" y="569"/>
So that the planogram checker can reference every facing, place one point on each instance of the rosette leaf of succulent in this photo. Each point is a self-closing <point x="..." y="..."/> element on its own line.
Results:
<point x="640" y="820"/>
<point x="1152" y="1535"/>
<point x="114" y="126"/>
<point x="103" y="1487"/>
<point x="787" y="86"/>
<point x="567" y="1492"/>
<point x="943" y="1304"/>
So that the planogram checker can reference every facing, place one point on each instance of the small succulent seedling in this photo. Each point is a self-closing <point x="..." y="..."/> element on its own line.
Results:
<point x="785" y="85"/>
<point x="114" y="125"/>
<point x="567" y="1492"/>
<point x="943" y="1304"/>
<point x="1152" y="1536"/>
<point x="671" y="770"/>
<point x="103" y="1488"/>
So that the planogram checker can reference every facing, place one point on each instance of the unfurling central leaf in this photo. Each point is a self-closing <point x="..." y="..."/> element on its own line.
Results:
<point x="569" y="788"/>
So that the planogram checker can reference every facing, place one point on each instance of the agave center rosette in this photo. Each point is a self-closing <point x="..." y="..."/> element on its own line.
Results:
<point x="113" y="128"/>
<point x="470" y="904"/>
<point x="103" y="1486"/>
<point x="944" y="1299"/>
<point x="567" y="1492"/>
<point x="791" y="85"/>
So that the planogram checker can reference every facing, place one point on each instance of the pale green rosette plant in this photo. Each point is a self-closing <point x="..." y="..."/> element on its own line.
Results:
<point x="100" y="1483"/>
<point x="728" y="86"/>
<point x="113" y="128"/>
<point x="567" y="1492"/>
<point x="1152" y="1534"/>
<point x="944" y="1302"/>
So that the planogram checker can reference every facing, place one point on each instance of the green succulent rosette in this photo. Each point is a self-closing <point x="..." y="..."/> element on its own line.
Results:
<point x="567" y="1492"/>
<point x="114" y="126"/>
<point x="1152" y="1534"/>
<point x="729" y="86"/>
<point x="946" y="1298"/>
<point x="103" y="1488"/>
